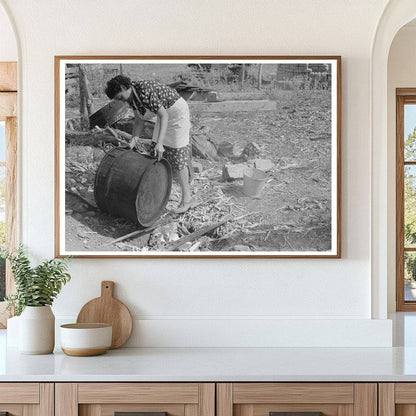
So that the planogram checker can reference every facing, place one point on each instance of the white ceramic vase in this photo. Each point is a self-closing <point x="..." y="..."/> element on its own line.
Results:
<point x="37" y="330"/>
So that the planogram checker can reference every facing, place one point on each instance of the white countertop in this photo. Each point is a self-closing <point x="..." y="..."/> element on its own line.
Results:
<point x="213" y="364"/>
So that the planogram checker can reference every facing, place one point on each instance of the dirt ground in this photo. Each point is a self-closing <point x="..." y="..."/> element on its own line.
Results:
<point x="293" y="212"/>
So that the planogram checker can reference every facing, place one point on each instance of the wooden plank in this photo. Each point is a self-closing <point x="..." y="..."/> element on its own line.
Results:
<point x="8" y="105"/>
<point x="207" y="399"/>
<point x="405" y="393"/>
<point x="237" y="96"/>
<point x="66" y="399"/>
<point x="47" y="399"/>
<point x="365" y="403"/>
<point x="196" y="234"/>
<point x="386" y="399"/>
<point x="138" y="393"/>
<point x="24" y="393"/>
<point x="8" y="76"/>
<point x="293" y="393"/>
<point x="232" y="106"/>
<point x="224" y="399"/>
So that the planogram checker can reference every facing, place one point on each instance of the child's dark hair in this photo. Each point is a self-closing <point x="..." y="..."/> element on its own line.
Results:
<point x="114" y="85"/>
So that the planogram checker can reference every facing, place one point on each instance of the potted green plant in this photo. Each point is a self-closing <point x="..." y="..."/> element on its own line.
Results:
<point x="36" y="289"/>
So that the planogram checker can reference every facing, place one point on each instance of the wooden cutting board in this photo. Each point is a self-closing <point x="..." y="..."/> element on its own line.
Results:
<point x="107" y="309"/>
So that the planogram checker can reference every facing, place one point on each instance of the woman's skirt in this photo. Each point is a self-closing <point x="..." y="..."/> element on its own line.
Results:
<point x="179" y="125"/>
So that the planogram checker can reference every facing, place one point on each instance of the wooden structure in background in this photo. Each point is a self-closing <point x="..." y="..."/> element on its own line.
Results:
<point x="85" y="108"/>
<point x="8" y="113"/>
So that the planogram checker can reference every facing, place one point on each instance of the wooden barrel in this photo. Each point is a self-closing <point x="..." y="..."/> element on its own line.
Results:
<point x="132" y="186"/>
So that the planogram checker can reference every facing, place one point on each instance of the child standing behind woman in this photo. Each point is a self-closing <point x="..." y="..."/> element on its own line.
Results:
<point x="171" y="132"/>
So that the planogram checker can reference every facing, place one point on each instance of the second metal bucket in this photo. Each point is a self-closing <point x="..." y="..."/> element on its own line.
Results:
<point x="254" y="181"/>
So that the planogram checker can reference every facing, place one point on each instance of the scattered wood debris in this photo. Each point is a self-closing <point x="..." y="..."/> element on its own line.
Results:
<point x="294" y="213"/>
<point x="196" y="234"/>
<point x="232" y="172"/>
<point x="263" y="164"/>
<point x="203" y="147"/>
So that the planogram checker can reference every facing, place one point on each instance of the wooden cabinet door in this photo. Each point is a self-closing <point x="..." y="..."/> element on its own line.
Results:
<point x="153" y="399"/>
<point x="397" y="399"/>
<point x="297" y="399"/>
<point x="27" y="399"/>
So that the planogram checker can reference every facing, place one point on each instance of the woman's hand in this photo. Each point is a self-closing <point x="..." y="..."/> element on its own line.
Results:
<point x="159" y="150"/>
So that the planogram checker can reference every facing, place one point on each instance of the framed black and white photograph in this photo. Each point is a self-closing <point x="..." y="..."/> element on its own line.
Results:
<point x="198" y="156"/>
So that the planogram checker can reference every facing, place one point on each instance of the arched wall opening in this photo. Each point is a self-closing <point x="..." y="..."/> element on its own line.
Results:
<point x="396" y="15"/>
<point x="401" y="73"/>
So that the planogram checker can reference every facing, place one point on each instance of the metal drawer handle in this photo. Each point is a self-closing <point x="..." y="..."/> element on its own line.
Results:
<point x="138" y="414"/>
<point x="296" y="414"/>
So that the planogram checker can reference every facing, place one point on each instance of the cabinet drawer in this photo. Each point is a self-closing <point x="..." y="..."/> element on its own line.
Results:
<point x="296" y="399"/>
<point x="108" y="399"/>
<point x="19" y="393"/>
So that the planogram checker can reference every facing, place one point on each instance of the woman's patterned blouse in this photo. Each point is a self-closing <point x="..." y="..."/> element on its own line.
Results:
<point x="152" y="95"/>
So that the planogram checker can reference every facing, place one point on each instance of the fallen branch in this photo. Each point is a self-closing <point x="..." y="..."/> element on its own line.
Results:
<point x="116" y="136"/>
<point x="199" y="233"/>
<point x="246" y="215"/>
<point x="89" y="203"/>
<point x="138" y="233"/>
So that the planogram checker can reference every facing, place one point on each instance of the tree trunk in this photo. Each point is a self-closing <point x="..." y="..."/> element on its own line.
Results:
<point x="85" y="107"/>
<point x="243" y="74"/>
<point x="260" y="76"/>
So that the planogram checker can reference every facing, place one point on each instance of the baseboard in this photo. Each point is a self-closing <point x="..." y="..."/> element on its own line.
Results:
<point x="247" y="332"/>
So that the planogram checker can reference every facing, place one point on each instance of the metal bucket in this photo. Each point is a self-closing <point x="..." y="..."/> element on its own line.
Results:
<point x="253" y="182"/>
<point x="132" y="186"/>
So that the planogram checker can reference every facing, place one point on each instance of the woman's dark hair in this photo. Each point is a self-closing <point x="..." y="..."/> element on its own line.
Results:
<point x="114" y="85"/>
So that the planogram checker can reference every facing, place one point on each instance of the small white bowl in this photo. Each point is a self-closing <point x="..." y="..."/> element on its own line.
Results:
<point x="84" y="340"/>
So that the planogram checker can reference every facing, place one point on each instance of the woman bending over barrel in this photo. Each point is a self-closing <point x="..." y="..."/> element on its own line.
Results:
<point x="171" y="132"/>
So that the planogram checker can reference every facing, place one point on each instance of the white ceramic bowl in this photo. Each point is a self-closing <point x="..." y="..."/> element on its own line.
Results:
<point x="83" y="340"/>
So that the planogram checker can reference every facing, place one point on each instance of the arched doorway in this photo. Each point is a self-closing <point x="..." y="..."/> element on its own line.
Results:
<point x="396" y="14"/>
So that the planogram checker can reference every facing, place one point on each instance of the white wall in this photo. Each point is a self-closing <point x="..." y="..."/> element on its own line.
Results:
<point x="179" y="302"/>
<point x="401" y="74"/>
<point x="8" y="47"/>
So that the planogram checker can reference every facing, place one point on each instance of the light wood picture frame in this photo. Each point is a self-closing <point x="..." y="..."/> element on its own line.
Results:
<point x="265" y="136"/>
